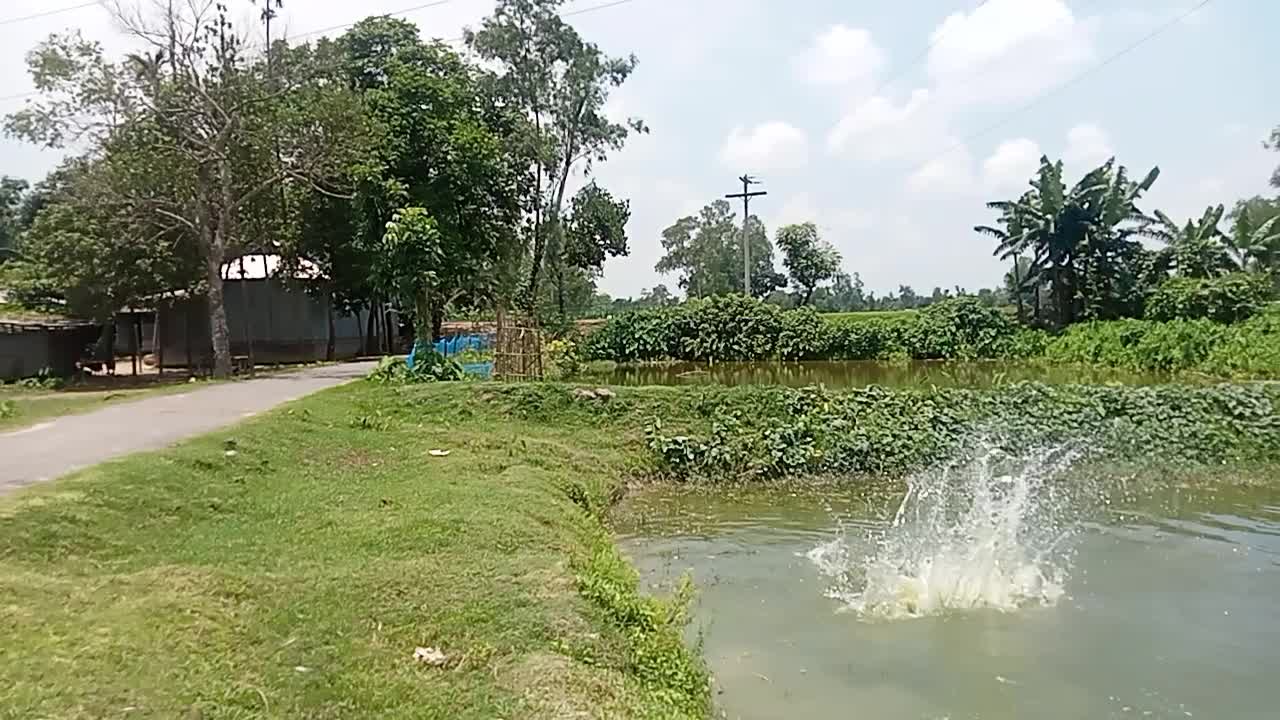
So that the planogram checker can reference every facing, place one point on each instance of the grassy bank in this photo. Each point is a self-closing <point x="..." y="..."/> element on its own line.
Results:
<point x="290" y="567"/>
<point x="20" y="407"/>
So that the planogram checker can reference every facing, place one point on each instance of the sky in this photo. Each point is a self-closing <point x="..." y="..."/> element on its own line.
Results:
<point x="889" y="124"/>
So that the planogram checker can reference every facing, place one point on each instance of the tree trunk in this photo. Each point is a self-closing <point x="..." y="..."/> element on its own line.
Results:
<point x="330" y="351"/>
<point x="808" y="296"/>
<point x="1017" y="291"/>
<point x="422" y="320"/>
<point x="560" y="302"/>
<point x="218" y="332"/>
<point x="437" y="323"/>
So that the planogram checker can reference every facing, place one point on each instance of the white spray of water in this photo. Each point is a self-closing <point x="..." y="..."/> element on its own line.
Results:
<point x="987" y="531"/>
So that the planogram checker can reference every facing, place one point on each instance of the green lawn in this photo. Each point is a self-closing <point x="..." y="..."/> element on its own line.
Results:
<point x="20" y="407"/>
<point x="290" y="566"/>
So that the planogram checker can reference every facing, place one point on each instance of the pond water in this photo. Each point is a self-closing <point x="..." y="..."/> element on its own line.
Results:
<point x="995" y="590"/>
<point x="858" y="373"/>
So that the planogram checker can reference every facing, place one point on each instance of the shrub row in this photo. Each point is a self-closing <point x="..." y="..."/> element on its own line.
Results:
<point x="1227" y="299"/>
<point x="1250" y="348"/>
<point x="738" y="328"/>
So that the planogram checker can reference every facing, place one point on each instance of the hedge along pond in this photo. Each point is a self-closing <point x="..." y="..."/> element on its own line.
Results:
<point x="739" y="329"/>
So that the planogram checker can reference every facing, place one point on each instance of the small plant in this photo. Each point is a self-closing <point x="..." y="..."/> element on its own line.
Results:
<point x="428" y="366"/>
<point x="8" y="409"/>
<point x="563" y="358"/>
<point x="43" y="380"/>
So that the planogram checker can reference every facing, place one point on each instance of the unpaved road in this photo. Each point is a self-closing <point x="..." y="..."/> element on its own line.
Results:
<point x="54" y="448"/>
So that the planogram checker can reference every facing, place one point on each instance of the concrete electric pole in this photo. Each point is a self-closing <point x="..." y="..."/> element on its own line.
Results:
<point x="746" y="195"/>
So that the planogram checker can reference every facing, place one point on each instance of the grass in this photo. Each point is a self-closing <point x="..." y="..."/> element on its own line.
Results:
<point x="20" y="407"/>
<point x="870" y="315"/>
<point x="289" y="567"/>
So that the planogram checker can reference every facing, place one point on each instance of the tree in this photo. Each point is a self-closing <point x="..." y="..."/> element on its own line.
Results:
<point x="706" y="252"/>
<point x="809" y="260"/>
<point x="1196" y="249"/>
<point x="409" y="258"/>
<point x="1083" y="241"/>
<point x="1273" y="143"/>
<point x="1254" y="239"/>
<point x="560" y="84"/>
<point x="845" y="294"/>
<point x="12" y="194"/>
<point x="441" y="147"/>
<point x="595" y="230"/>
<point x="193" y="115"/>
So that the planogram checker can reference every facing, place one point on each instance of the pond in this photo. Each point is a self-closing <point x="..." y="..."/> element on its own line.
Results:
<point x="859" y="373"/>
<point x="990" y="591"/>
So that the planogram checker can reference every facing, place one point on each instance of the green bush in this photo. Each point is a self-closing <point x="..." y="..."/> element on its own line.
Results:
<point x="1227" y="299"/>
<point x="1251" y="348"/>
<point x="960" y="328"/>
<point x="805" y="335"/>
<point x="729" y="327"/>
<point x="428" y="366"/>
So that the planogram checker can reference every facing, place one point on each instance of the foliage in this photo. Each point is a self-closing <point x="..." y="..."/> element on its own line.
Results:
<point x="732" y="327"/>
<point x="1197" y="249"/>
<point x="1138" y="344"/>
<point x="805" y="335"/>
<point x="1255" y="234"/>
<point x="442" y="152"/>
<point x="428" y="366"/>
<point x="810" y="260"/>
<point x="12" y="193"/>
<point x="772" y="432"/>
<point x="595" y="230"/>
<point x="1248" y="349"/>
<point x="559" y="83"/>
<point x="564" y="358"/>
<point x="1081" y="240"/>
<point x="705" y="250"/>
<point x="1225" y="299"/>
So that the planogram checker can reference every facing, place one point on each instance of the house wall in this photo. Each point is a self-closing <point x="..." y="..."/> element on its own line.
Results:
<point x="26" y="353"/>
<point x="285" y="324"/>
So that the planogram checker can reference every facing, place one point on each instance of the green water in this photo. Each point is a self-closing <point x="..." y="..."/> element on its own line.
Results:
<point x="1171" y="609"/>
<point x="859" y="373"/>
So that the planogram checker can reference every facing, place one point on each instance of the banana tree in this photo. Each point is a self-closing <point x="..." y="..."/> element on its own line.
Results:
<point x="1196" y="249"/>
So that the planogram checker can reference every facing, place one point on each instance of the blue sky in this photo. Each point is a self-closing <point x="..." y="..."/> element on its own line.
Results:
<point x="852" y="124"/>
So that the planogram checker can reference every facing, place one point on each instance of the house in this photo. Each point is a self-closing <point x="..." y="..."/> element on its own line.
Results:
<point x="33" y="344"/>
<point x="275" y="321"/>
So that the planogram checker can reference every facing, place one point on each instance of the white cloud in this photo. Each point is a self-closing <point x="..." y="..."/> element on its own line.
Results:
<point x="879" y="129"/>
<point x="797" y="208"/>
<point x="1012" y="163"/>
<point x="1087" y="147"/>
<point x="948" y="173"/>
<point x="768" y="146"/>
<point x="1008" y="50"/>
<point x="841" y="56"/>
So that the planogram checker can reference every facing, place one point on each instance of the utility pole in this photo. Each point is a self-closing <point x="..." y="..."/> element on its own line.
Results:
<point x="746" y="195"/>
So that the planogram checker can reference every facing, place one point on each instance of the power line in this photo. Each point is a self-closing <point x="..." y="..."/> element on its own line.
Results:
<point x="393" y="13"/>
<point x="923" y="54"/>
<point x="1160" y="30"/>
<point x="48" y="13"/>
<point x="582" y="11"/>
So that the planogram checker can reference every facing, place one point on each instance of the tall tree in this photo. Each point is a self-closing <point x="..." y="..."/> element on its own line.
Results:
<point x="809" y="260"/>
<point x="560" y="83"/>
<point x="705" y="250"/>
<point x="441" y="147"/>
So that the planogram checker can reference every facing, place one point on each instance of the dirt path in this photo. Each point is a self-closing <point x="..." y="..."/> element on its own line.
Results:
<point x="52" y="449"/>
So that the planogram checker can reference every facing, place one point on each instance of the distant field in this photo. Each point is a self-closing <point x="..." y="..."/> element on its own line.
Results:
<point x="870" y="315"/>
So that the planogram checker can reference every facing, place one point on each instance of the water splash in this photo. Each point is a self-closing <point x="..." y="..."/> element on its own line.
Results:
<point x="989" y="530"/>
